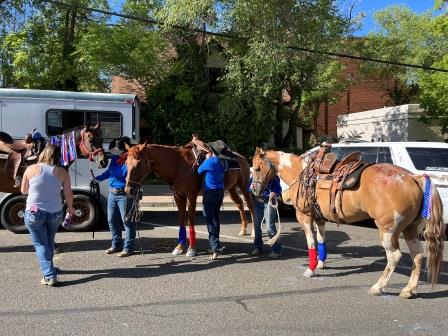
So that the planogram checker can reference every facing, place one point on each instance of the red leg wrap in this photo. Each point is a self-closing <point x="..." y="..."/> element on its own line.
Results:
<point x="192" y="236"/>
<point x="312" y="254"/>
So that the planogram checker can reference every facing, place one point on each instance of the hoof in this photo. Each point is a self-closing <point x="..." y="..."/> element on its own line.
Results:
<point x="191" y="252"/>
<point x="177" y="252"/>
<point x="242" y="232"/>
<point x="407" y="294"/>
<point x="375" y="291"/>
<point x="308" y="273"/>
<point x="321" y="264"/>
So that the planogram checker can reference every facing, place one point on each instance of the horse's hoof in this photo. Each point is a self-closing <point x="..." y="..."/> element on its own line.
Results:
<point x="191" y="252"/>
<point x="177" y="252"/>
<point x="308" y="273"/>
<point x="406" y="294"/>
<point x="375" y="291"/>
<point x="321" y="264"/>
<point x="242" y="232"/>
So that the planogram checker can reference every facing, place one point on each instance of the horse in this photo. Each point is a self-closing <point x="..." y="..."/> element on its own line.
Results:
<point x="176" y="166"/>
<point x="388" y="194"/>
<point x="88" y="142"/>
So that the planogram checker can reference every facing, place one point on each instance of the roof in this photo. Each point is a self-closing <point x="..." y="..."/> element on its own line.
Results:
<point x="47" y="94"/>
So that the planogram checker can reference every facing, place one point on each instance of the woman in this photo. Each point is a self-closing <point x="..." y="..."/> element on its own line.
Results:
<point x="117" y="200"/>
<point x="213" y="169"/>
<point x="43" y="215"/>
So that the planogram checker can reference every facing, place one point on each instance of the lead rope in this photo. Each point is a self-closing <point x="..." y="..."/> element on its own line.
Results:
<point x="95" y="192"/>
<point x="271" y="206"/>
<point x="135" y="215"/>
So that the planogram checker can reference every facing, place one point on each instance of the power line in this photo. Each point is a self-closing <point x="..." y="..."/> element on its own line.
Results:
<point x="224" y="35"/>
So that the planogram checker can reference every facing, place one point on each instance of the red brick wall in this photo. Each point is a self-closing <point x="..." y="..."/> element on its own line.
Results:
<point x="121" y="85"/>
<point x="362" y="95"/>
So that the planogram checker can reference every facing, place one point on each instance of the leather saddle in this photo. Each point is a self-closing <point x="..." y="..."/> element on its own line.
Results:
<point x="218" y="147"/>
<point x="326" y="172"/>
<point x="18" y="153"/>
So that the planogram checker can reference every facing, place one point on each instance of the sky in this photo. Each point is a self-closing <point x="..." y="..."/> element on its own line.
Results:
<point x="368" y="7"/>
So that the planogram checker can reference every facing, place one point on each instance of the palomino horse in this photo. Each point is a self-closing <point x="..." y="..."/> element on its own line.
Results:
<point x="175" y="165"/>
<point x="389" y="194"/>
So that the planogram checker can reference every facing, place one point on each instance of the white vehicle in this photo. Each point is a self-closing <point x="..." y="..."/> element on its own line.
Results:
<point x="53" y="112"/>
<point x="429" y="158"/>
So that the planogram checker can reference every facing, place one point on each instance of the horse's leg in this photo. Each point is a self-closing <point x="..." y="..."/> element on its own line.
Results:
<point x="416" y="251"/>
<point x="181" y="203"/>
<point x="307" y="223"/>
<point x="191" y="252"/>
<point x="240" y="205"/>
<point x="321" y="247"/>
<point x="389" y="241"/>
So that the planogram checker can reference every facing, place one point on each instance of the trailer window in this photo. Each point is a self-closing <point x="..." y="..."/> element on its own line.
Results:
<point x="60" y="120"/>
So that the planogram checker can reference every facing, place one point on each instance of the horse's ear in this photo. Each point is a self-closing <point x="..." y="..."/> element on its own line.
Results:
<point x="88" y="124"/>
<point x="128" y="147"/>
<point x="98" y="125"/>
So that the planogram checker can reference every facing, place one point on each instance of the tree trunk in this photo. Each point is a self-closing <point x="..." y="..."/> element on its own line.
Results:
<point x="290" y="139"/>
<point x="278" y="135"/>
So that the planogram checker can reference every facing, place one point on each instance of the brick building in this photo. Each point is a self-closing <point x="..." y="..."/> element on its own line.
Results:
<point x="361" y="95"/>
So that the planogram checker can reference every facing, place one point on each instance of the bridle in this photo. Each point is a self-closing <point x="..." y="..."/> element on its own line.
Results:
<point x="90" y="153"/>
<point x="263" y="184"/>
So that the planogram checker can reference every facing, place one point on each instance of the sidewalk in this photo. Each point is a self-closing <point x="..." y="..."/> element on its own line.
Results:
<point x="160" y="198"/>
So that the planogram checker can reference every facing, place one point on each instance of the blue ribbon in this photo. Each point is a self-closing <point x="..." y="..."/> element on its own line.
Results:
<point x="427" y="195"/>
<point x="322" y="251"/>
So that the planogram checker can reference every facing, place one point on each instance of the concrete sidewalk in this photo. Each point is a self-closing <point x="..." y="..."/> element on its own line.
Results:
<point x="160" y="198"/>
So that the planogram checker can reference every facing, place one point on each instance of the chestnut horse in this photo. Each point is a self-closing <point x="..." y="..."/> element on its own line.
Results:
<point x="388" y="194"/>
<point x="175" y="165"/>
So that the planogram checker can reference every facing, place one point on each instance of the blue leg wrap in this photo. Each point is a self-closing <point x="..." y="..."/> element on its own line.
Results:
<point x="182" y="235"/>
<point x="322" y="251"/>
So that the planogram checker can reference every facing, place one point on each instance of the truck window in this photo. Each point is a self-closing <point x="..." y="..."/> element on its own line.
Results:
<point x="430" y="159"/>
<point x="60" y="120"/>
<point x="369" y="154"/>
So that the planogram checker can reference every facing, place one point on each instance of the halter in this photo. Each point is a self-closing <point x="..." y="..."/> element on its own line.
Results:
<point x="149" y="168"/>
<point x="85" y="151"/>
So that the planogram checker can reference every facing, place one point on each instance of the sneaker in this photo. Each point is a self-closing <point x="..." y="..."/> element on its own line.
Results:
<point x="112" y="250"/>
<point x="274" y="255"/>
<point x="256" y="252"/>
<point x="124" y="254"/>
<point x="49" y="282"/>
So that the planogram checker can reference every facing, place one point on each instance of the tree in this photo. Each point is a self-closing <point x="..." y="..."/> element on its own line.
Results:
<point x="408" y="37"/>
<point x="41" y="52"/>
<point x="260" y="62"/>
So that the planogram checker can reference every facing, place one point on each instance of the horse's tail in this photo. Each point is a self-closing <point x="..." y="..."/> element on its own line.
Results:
<point x="434" y="232"/>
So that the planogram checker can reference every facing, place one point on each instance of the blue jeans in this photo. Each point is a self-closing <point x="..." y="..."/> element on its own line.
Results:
<point x="116" y="214"/>
<point x="262" y="208"/>
<point x="212" y="202"/>
<point x="43" y="227"/>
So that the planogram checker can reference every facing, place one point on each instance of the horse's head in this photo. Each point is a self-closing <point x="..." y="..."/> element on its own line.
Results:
<point x="263" y="171"/>
<point x="139" y="166"/>
<point x="91" y="144"/>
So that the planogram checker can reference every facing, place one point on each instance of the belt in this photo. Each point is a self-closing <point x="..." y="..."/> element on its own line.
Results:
<point x="116" y="191"/>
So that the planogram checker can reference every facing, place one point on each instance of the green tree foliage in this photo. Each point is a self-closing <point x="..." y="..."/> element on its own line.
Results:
<point x="408" y="37"/>
<point x="40" y="52"/>
<point x="260" y="63"/>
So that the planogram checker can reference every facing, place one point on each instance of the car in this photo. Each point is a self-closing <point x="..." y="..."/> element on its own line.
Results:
<point x="430" y="158"/>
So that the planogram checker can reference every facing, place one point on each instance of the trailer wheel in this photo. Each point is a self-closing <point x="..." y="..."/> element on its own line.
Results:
<point x="86" y="213"/>
<point x="13" y="214"/>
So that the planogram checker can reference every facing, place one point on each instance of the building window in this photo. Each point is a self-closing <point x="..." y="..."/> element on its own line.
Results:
<point x="58" y="121"/>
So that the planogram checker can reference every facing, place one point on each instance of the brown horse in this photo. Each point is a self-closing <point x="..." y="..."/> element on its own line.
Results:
<point x="388" y="194"/>
<point x="88" y="142"/>
<point x="175" y="165"/>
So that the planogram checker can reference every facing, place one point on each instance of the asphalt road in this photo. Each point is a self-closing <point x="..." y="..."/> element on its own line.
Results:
<point x="155" y="293"/>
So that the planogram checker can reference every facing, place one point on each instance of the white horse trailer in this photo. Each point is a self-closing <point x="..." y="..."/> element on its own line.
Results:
<point x="53" y="112"/>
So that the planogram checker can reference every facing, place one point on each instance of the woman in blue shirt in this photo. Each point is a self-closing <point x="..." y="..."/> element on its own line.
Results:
<point x="117" y="200"/>
<point x="213" y="169"/>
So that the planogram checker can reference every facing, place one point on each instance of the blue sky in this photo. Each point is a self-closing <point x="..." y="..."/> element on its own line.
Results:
<point x="368" y="7"/>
